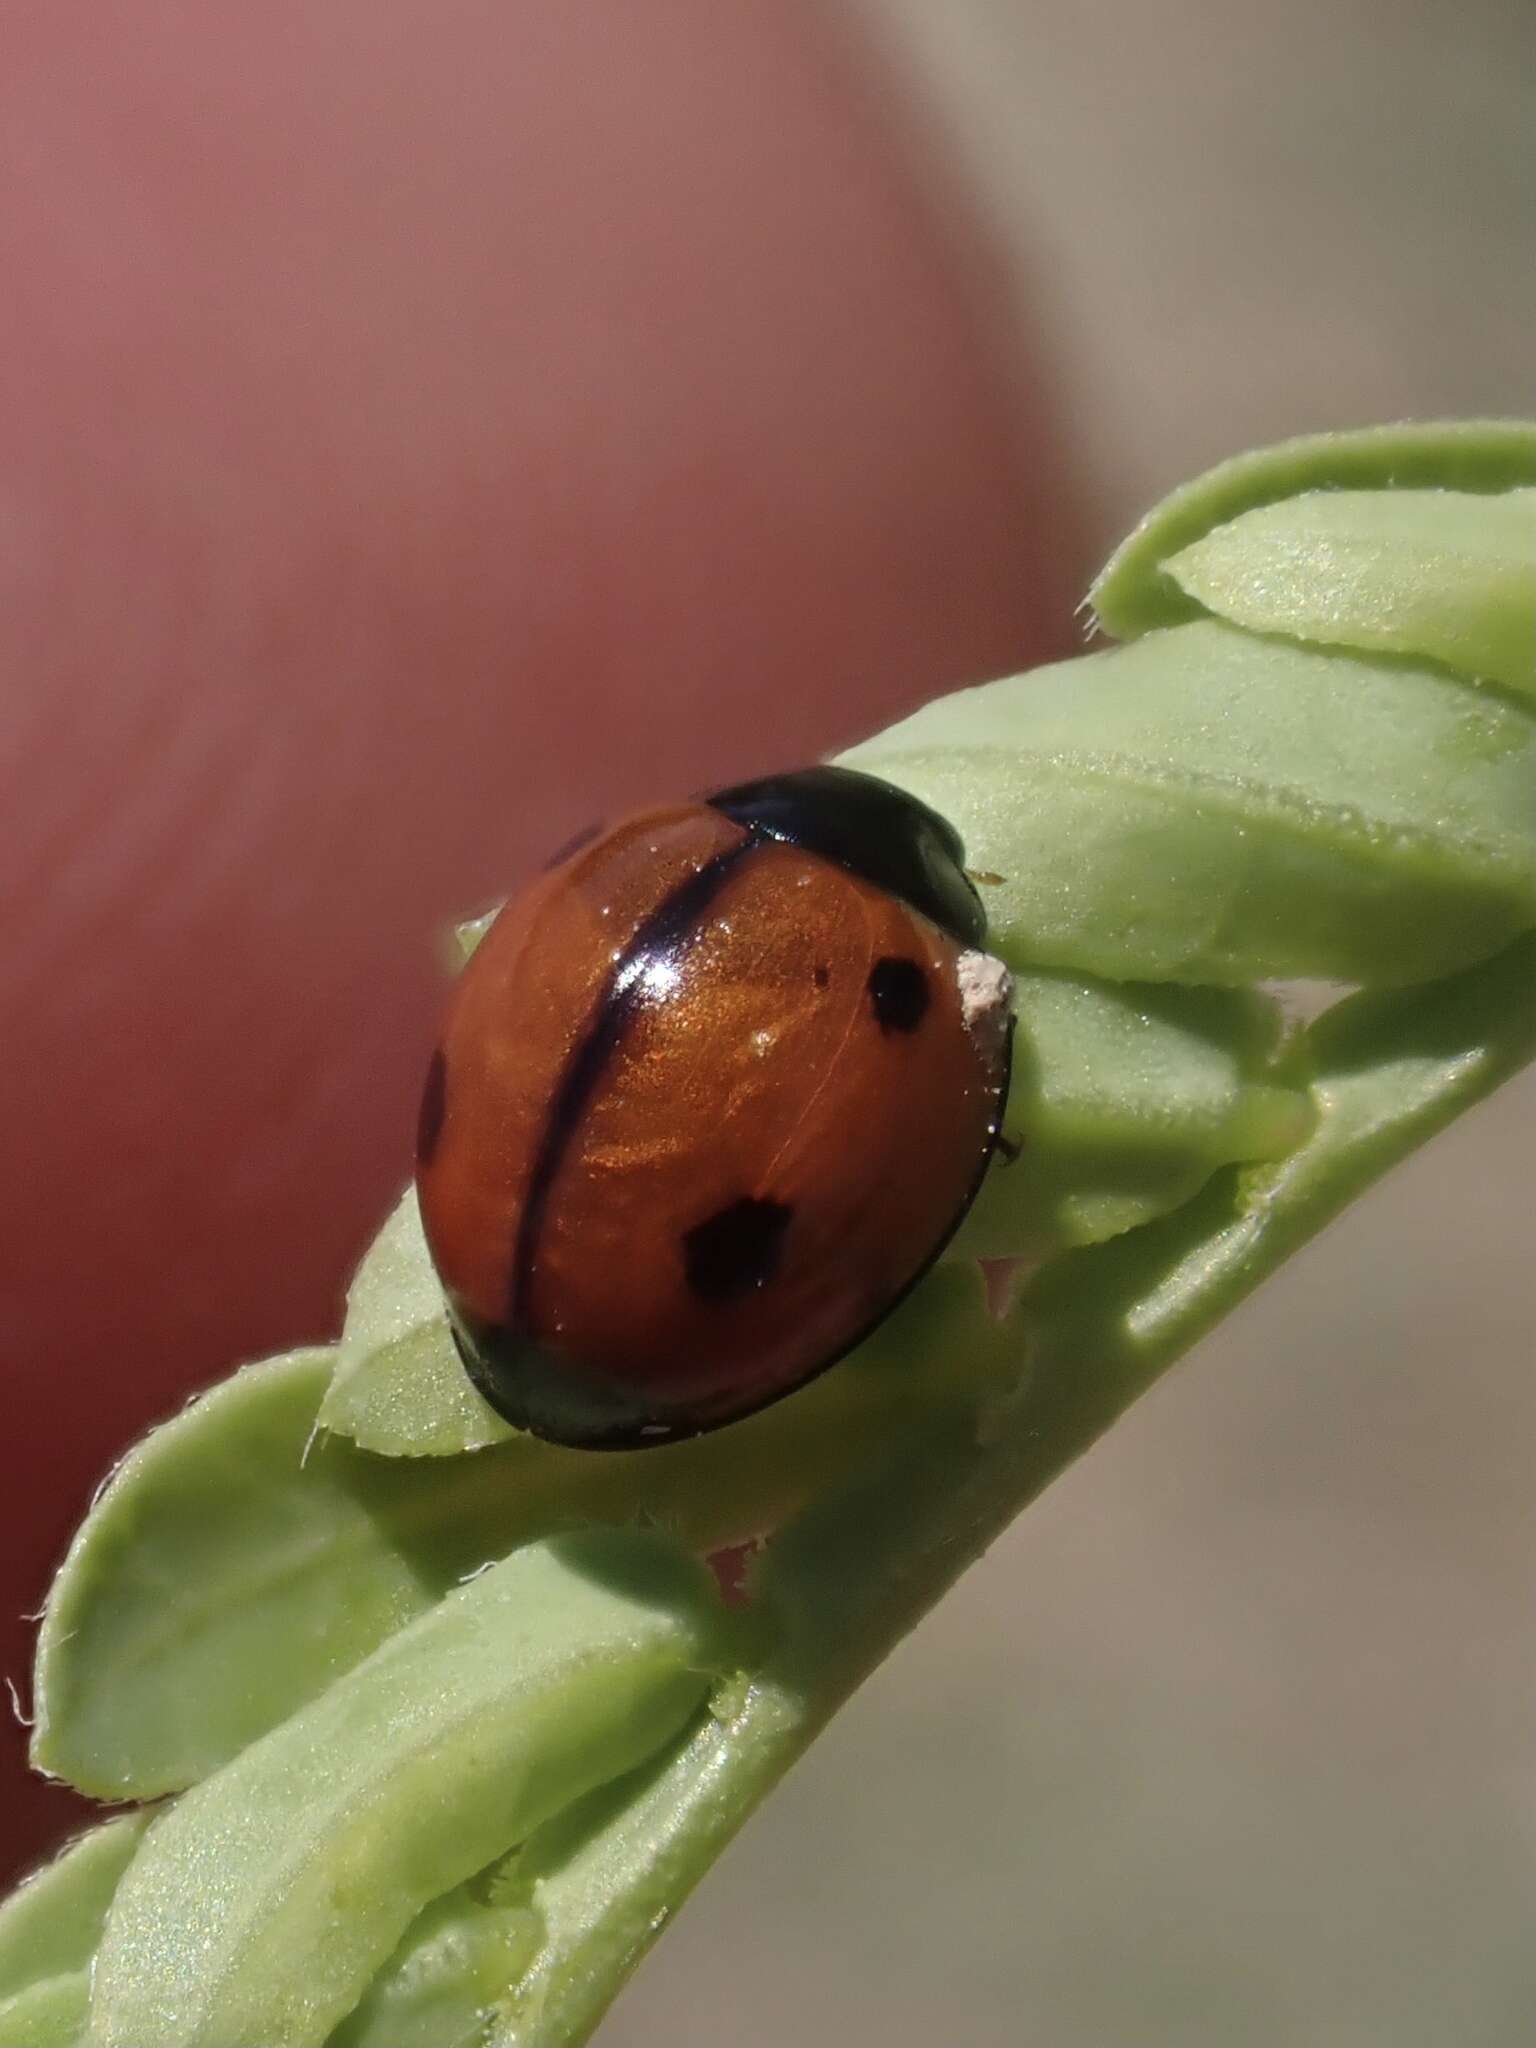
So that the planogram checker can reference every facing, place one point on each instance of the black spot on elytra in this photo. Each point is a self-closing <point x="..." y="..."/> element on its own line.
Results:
<point x="821" y="976"/>
<point x="434" y="1100"/>
<point x="737" y="1250"/>
<point x="898" y="993"/>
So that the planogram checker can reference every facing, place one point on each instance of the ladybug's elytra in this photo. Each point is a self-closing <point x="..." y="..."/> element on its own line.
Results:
<point x="712" y="1095"/>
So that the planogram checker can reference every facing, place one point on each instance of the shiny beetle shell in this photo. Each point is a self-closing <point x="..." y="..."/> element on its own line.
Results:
<point x="712" y="1095"/>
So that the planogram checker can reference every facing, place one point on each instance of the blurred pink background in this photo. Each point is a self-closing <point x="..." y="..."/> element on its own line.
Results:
<point x="422" y="429"/>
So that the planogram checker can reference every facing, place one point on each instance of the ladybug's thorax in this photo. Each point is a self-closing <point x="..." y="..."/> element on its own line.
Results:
<point x="873" y="829"/>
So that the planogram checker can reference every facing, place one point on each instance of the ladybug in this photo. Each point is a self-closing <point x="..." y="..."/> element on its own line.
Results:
<point x="712" y="1095"/>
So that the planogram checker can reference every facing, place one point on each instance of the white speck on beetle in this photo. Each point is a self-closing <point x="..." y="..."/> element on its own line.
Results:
<point x="986" y="988"/>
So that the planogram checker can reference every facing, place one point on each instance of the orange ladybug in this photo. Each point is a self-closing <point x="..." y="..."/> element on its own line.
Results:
<point x="712" y="1095"/>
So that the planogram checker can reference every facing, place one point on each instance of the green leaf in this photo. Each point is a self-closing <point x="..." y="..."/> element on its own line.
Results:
<point x="467" y="934"/>
<point x="399" y="1384"/>
<point x="217" y="1583"/>
<point x="1134" y="594"/>
<point x="1437" y="573"/>
<point x="48" y="2014"/>
<point x="445" y="1983"/>
<point x="237" y="1563"/>
<point x="262" y="1904"/>
<point x="1206" y="806"/>
<point x="50" y="1925"/>
<point x="1124" y="1099"/>
<point x="602" y="1878"/>
<point x="576" y="1904"/>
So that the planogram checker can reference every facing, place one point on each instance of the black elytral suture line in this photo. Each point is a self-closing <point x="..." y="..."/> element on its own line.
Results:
<point x="660" y="933"/>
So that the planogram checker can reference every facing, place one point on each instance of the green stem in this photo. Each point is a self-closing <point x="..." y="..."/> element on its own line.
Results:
<point x="843" y="1585"/>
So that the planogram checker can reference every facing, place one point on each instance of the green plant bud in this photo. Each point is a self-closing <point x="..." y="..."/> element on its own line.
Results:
<point x="1134" y="594"/>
